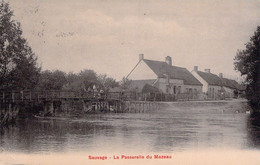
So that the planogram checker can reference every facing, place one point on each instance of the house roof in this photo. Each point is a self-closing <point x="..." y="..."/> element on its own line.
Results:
<point x="211" y="78"/>
<point x="162" y="69"/>
<point x="237" y="85"/>
<point x="229" y="83"/>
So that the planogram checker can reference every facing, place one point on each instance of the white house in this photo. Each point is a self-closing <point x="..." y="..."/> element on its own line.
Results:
<point x="215" y="86"/>
<point x="167" y="78"/>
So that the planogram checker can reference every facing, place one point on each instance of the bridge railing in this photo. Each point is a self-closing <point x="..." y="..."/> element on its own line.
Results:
<point x="19" y="96"/>
<point x="26" y="95"/>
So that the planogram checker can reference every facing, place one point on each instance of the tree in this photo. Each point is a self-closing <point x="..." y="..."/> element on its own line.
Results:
<point x="125" y="83"/>
<point x="89" y="78"/>
<point x="18" y="63"/>
<point x="55" y="80"/>
<point x="107" y="82"/>
<point x="82" y="81"/>
<point x="247" y="62"/>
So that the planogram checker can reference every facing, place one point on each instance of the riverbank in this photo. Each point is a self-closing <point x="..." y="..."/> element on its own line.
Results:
<point x="212" y="106"/>
<point x="75" y="108"/>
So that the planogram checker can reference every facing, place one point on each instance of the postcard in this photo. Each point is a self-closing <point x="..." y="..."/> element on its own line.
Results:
<point x="129" y="82"/>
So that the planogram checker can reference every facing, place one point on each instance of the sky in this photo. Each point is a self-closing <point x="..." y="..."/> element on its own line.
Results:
<point x="108" y="35"/>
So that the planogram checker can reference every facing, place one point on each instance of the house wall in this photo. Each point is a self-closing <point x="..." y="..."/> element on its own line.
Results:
<point x="193" y="91"/>
<point x="229" y="92"/>
<point x="142" y="72"/>
<point x="201" y="80"/>
<point x="163" y="84"/>
<point x="214" y="91"/>
<point x="178" y="85"/>
<point x="195" y="88"/>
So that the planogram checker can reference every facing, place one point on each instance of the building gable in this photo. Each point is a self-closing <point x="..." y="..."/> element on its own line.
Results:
<point x="142" y="72"/>
<point x="202" y="81"/>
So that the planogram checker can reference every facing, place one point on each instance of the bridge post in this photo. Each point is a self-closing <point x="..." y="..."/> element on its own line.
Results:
<point x="48" y="107"/>
<point x="3" y="97"/>
<point x="22" y="94"/>
<point x="37" y="97"/>
<point x="45" y="108"/>
<point x="98" y="106"/>
<point x="94" y="106"/>
<point x="116" y="106"/>
<point x="12" y="96"/>
<point x="84" y="106"/>
<point x="51" y="107"/>
<point x="108" y="106"/>
<point x="30" y="95"/>
<point x="129" y="108"/>
<point x="9" y="107"/>
<point x="101" y="105"/>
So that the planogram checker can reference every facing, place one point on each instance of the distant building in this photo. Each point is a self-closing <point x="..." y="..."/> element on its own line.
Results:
<point x="163" y="75"/>
<point x="216" y="87"/>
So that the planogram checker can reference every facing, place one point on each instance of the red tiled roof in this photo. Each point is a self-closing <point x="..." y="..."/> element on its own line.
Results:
<point x="162" y="69"/>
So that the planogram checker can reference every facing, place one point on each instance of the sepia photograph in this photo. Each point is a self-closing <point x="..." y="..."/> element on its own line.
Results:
<point x="129" y="82"/>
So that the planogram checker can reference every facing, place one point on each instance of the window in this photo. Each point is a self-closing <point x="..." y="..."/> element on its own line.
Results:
<point x="167" y="88"/>
<point x="179" y="89"/>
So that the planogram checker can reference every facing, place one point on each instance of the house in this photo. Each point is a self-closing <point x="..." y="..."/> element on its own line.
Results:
<point x="215" y="87"/>
<point x="212" y="84"/>
<point x="232" y="88"/>
<point x="163" y="75"/>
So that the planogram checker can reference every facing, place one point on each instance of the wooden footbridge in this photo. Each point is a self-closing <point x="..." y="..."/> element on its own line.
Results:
<point x="54" y="102"/>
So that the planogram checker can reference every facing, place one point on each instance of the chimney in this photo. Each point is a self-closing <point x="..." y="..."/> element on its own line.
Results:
<point x="168" y="60"/>
<point x="207" y="70"/>
<point x="221" y="75"/>
<point x="141" y="57"/>
<point x="196" y="68"/>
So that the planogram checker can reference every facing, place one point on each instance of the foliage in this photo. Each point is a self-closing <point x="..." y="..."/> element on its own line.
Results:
<point x="107" y="82"/>
<point x="80" y="82"/>
<point x="52" y="80"/>
<point x="88" y="78"/>
<point x="18" y="67"/>
<point x="247" y="62"/>
<point x="125" y="83"/>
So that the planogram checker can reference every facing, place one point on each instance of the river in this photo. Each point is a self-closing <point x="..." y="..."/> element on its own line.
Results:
<point x="176" y="127"/>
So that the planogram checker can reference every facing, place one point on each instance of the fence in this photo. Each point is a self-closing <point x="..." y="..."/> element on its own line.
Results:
<point x="20" y="96"/>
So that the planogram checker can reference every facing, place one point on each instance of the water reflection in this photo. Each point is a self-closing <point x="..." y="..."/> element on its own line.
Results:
<point x="177" y="127"/>
<point x="253" y="126"/>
